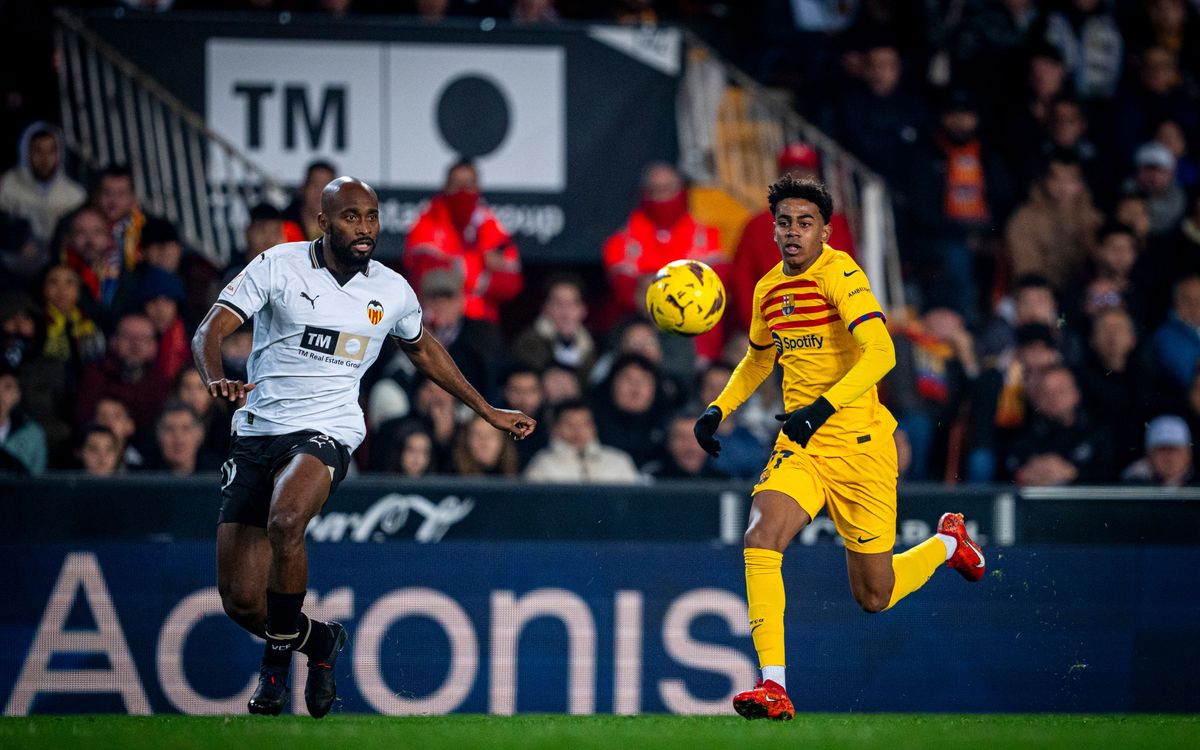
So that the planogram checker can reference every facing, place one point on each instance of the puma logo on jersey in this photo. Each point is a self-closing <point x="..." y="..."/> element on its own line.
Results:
<point x="311" y="300"/>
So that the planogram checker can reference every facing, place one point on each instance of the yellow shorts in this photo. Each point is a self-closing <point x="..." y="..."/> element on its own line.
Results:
<point x="859" y="489"/>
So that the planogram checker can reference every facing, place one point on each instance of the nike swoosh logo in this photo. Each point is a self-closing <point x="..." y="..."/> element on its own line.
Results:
<point x="756" y="627"/>
<point x="848" y="274"/>
<point x="979" y="552"/>
<point x="864" y="541"/>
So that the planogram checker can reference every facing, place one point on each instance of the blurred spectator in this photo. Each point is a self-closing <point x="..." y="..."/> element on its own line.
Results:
<point x="630" y="411"/>
<point x="22" y="442"/>
<point x="757" y="252"/>
<point x="179" y="435"/>
<point x="1156" y="94"/>
<point x="1171" y="25"/>
<point x="1111" y="282"/>
<point x="659" y="231"/>
<point x="558" y="334"/>
<point x="576" y="455"/>
<point x="213" y="413"/>
<point x="884" y="125"/>
<point x="1177" y="341"/>
<point x="966" y="192"/>
<point x="114" y="195"/>
<point x="88" y="248"/>
<point x="1087" y="35"/>
<point x="159" y="295"/>
<point x="988" y="50"/>
<point x="1178" y="255"/>
<point x="1168" y="459"/>
<point x="634" y="12"/>
<point x="526" y="12"/>
<point x="935" y="365"/>
<point x="1052" y="233"/>
<point x="1154" y="178"/>
<point x="21" y="257"/>
<point x="483" y="451"/>
<point x="114" y="416"/>
<point x="559" y="384"/>
<point x="438" y="408"/>
<point x="128" y="374"/>
<point x="1116" y="382"/>
<point x="235" y="351"/>
<point x="38" y="189"/>
<point x="474" y="344"/>
<point x="163" y="249"/>
<point x="1023" y="115"/>
<point x="306" y="203"/>
<point x="264" y="231"/>
<point x="403" y="447"/>
<point x="1132" y="211"/>
<point x="683" y="457"/>
<point x="99" y="452"/>
<point x="46" y="397"/>
<point x="521" y="389"/>
<point x="71" y="336"/>
<point x="998" y="406"/>
<point x="1187" y="171"/>
<point x="1067" y="129"/>
<point x="1063" y="444"/>
<point x="459" y="232"/>
<point x="742" y="453"/>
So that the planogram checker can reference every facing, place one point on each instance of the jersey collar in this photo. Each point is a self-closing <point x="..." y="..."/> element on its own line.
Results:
<point x="316" y="255"/>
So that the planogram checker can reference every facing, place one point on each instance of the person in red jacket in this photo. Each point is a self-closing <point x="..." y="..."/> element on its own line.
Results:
<point x="459" y="232"/>
<point x="756" y="251"/>
<point x="659" y="231"/>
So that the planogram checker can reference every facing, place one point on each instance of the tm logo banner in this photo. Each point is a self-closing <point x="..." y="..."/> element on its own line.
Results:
<point x="395" y="115"/>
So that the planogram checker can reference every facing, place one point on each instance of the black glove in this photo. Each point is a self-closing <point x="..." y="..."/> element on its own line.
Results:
<point x="706" y="427"/>
<point x="800" y="425"/>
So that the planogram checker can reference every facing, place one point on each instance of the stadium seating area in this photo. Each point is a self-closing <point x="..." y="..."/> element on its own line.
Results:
<point x="1041" y="158"/>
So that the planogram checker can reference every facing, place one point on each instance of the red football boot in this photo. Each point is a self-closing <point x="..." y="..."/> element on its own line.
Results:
<point x="968" y="558"/>
<point x="768" y="700"/>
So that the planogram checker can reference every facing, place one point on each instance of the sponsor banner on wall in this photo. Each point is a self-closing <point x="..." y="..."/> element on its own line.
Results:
<point x="381" y="509"/>
<point x="560" y="121"/>
<point x="600" y="627"/>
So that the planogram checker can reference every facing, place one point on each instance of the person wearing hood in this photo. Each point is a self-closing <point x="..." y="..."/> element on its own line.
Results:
<point x="459" y="232"/>
<point x="659" y="231"/>
<point x="38" y="189"/>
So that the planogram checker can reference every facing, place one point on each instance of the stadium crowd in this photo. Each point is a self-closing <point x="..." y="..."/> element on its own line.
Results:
<point x="1048" y="216"/>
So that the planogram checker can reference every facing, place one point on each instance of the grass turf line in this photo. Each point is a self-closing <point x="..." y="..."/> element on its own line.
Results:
<point x="825" y="731"/>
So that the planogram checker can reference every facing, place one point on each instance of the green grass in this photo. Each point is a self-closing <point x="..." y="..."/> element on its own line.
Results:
<point x="808" y="732"/>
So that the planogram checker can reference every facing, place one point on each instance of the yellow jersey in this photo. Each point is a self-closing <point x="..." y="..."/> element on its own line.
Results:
<point x="827" y="331"/>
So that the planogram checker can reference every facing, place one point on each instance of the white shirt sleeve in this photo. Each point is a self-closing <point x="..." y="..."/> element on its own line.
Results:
<point x="408" y="326"/>
<point x="250" y="290"/>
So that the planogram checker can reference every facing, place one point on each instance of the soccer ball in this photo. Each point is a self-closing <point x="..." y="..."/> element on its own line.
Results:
<point x="686" y="298"/>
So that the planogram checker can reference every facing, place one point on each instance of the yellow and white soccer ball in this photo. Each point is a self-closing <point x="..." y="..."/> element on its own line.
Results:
<point x="686" y="298"/>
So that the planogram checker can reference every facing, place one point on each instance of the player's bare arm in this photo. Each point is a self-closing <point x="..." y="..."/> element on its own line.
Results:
<point x="206" y="348"/>
<point x="432" y="359"/>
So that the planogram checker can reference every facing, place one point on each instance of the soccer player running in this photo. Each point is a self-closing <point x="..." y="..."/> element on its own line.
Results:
<point x="815" y="314"/>
<point x="321" y="312"/>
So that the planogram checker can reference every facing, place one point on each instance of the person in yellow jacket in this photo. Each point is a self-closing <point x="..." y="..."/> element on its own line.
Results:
<point x="814" y="314"/>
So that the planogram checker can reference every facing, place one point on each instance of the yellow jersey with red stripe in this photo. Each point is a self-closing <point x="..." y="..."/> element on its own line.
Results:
<point x="827" y="331"/>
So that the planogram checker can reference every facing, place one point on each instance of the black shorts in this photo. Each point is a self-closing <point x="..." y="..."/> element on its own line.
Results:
<point x="248" y="477"/>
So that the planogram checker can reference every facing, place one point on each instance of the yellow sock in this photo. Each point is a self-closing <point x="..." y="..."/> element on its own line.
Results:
<point x="913" y="568"/>
<point x="764" y="594"/>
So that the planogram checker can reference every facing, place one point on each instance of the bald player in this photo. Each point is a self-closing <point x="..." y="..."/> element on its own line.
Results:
<point x="321" y="312"/>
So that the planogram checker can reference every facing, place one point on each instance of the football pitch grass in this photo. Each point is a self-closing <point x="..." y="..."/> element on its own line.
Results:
<point x="650" y="732"/>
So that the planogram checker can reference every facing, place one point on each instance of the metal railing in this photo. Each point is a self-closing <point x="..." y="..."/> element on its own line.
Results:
<point x="115" y="113"/>
<point x="731" y="130"/>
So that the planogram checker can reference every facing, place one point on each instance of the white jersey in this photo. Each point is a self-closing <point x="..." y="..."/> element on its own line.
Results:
<point x="314" y="339"/>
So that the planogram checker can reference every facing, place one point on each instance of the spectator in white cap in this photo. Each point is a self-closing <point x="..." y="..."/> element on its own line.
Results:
<point x="1168" y="461"/>
<point x="1154" y="177"/>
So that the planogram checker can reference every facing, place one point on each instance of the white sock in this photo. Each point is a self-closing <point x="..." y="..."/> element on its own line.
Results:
<point x="774" y="674"/>
<point x="950" y="542"/>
